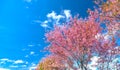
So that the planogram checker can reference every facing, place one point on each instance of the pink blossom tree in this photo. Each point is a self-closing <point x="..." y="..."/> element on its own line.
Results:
<point x="75" y="43"/>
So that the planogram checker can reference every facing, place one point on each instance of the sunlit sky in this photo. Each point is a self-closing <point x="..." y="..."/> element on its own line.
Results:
<point x="22" y="29"/>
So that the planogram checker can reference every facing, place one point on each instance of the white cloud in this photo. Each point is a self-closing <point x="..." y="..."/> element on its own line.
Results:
<point x="13" y="66"/>
<point x="46" y="21"/>
<point x="55" y="17"/>
<point x="17" y="64"/>
<point x="33" y="66"/>
<point x="4" y="69"/>
<point x="2" y="62"/>
<point x="6" y="60"/>
<point x="44" y="25"/>
<point x="58" y="18"/>
<point x="51" y="15"/>
<point x="30" y="45"/>
<point x="31" y="53"/>
<point x="67" y="13"/>
<point x="18" y="61"/>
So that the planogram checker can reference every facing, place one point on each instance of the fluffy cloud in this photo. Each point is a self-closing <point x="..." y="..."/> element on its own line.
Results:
<point x="54" y="18"/>
<point x="67" y="13"/>
<point x="53" y="15"/>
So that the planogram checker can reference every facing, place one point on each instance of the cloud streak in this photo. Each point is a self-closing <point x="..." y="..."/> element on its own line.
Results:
<point x="18" y="62"/>
<point x="12" y="61"/>
<point x="5" y="60"/>
<point x="4" y="69"/>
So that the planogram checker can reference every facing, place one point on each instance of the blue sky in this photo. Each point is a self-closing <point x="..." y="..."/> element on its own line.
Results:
<point x="22" y="28"/>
